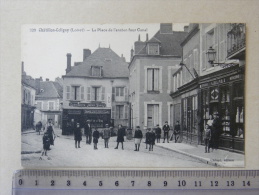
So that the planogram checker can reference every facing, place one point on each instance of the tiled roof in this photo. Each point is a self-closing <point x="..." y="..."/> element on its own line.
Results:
<point x="28" y="80"/>
<point x="170" y="43"/>
<point x="112" y="64"/>
<point x="50" y="89"/>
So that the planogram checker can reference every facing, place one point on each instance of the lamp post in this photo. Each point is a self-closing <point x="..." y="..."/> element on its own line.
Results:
<point x="182" y="64"/>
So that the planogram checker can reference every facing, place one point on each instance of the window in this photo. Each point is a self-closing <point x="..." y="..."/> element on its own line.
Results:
<point x="96" y="71"/>
<point x="82" y="93"/>
<point x="97" y="93"/>
<point x="39" y="105"/>
<point x="51" y="105"/>
<point x="119" y="111"/>
<point x="119" y="91"/>
<point x="153" y="49"/>
<point x="152" y="79"/>
<point x="75" y="93"/>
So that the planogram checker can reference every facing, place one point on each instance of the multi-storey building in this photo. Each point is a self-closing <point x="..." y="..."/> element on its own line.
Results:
<point x="28" y="91"/>
<point x="218" y="83"/>
<point x="96" y="90"/>
<point x="152" y="64"/>
<point x="49" y="98"/>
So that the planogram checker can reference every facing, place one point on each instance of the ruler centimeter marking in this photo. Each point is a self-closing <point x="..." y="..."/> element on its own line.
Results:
<point x="135" y="180"/>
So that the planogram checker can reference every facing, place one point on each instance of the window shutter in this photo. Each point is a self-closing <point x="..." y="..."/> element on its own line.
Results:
<point x="82" y="93"/>
<point x="103" y="93"/>
<point x="204" y="60"/>
<point x="113" y="93"/>
<point x="126" y="110"/>
<point x="72" y="93"/>
<point x="88" y="94"/>
<point x="126" y="94"/>
<point x="92" y="94"/>
<point x="113" y="111"/>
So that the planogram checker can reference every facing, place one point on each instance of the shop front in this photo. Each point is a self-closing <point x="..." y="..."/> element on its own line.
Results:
<point x="97" y="117"/>
<point x="223" y="92"/>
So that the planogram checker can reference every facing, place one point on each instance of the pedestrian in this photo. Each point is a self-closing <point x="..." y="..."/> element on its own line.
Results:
<point x="216" y="129"/>
<point x="38" y="127"/>
<point x="46" y="143"/>
<point x="137" y="138"/>
<point x="106" y="135"/>
<point x="77" y="135"/>
<point x="88" y="132"/>
<point x="166" y="129"/>
<point x="158" y="133"/>
<point x="120" y="136"/>
<point x="147" y="137"/>
<point x="210" y="121"/>
<point x="207" y="137"/>
<point x="50" y="130"/>
<point x="152" y="138"/>
<point x="177" y="129"/>
<point x="96" y="136"/>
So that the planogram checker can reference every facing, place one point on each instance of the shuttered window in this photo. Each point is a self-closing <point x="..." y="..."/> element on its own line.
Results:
<point x="82" y="93"/>
<point x="68" y="92"/>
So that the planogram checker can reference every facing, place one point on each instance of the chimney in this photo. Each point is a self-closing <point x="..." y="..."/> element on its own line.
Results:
<point x="37" y="85"/>
<point x="87" y="53"/>
<point x="146" y="37"/>
<point x="47" y="79"/>
<point x="123" y="58"/>
<point x="68" y="62"/>
<point x="41" y="79"/>
<point x="185" y="28"/>
<point x="166" y="28"/>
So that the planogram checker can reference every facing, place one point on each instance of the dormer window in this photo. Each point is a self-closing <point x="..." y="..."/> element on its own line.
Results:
<point x="96" y="71"/>
<point x="153" y="49"/>
<point x="107" y="59"/>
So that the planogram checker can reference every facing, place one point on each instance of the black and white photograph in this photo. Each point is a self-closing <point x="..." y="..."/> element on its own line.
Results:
<point x="155" y="96"/>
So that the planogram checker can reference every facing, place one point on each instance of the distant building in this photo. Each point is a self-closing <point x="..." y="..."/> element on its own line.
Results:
<point x="152" y="64"/>
<point x="96" y="90"/>
<point x="28" y="90"/>
<point x="48" y="101"/>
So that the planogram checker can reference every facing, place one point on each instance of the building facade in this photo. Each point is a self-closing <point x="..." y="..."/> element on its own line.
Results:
<point x="96" y="90"/>
<point x="152" y="64"/>
<point x="216" y="86"/>
<point x="48" y="102"/>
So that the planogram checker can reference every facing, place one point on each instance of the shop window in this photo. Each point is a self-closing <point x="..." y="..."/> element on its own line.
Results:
<point x="153" y="79"/>
<point x="225" y="110"/>
<point x="214" y="94"/>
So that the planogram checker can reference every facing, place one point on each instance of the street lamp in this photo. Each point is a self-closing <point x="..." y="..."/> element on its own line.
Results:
<point x="182" y="64"/>
<point x="211" y="55"/>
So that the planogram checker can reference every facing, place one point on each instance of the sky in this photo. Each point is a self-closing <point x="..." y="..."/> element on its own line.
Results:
<point x="44" y="47"/>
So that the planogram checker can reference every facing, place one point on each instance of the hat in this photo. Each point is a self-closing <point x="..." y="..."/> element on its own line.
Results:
<point x="215" y="113"/>
<point x="157" y="125"/>
<point x="137" y="126"/>
<point x="106" y="125"/>
<point x="166" y="122"/>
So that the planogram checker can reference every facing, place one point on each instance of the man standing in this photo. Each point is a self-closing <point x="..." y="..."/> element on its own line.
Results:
<point x="177" y="129"/>
<point x="120" y="137"/>
<point x="137" y="138"/>
<point x="216" y="130"/>
<point x="106" y="135"/>
<point x="158" y="133"/>
<point x="88" y="132"/>
<point x="166" y="130"/>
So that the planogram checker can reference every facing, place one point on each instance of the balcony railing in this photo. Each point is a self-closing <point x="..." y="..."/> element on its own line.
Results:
<point x="236" y="38"/>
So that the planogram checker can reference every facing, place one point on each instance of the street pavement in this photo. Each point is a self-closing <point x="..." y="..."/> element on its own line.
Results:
<point x="64" y="154"/>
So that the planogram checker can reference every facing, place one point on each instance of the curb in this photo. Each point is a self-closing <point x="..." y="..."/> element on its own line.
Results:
<point x="31" y="152"/>
<point x="204" y="160"/>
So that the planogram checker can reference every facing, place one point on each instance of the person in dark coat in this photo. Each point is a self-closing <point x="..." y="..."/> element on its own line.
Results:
<point x="151" y="139"/>
<point x="166" y="129"/>
<point x="147" y="137"/>
<point x="216" y="130"/>
<point x="50" y="130"/>
<point x="106" y="135"/>
<point x="158" y="132"/>
<point x="38" y="127"/>
<point x="120" y="137"/>
<point x="177" y="129"/>
<point x="88" y="132"/>
<point x="96" y="136"/>
<point x="77" y="135"/>
<point x="46" y="143"/>
<point x="137" y="138"/>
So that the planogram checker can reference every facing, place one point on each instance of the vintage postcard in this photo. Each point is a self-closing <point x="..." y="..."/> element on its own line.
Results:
<point x="168" y="95"/>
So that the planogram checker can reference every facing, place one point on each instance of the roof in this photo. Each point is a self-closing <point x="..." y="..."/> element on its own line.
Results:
<point x="170" y="43"/>
<point x="112" y="64"/>
<point x="50" y="89"/>
<point x="29" y="81"/>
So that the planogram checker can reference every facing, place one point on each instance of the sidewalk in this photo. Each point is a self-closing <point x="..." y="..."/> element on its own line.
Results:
<point x="218" y="158"/>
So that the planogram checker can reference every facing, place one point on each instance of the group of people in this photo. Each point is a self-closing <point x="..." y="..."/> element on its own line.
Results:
<point x="212" y="132"/>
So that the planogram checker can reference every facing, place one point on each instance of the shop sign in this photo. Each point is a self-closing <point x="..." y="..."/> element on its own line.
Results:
<point x="97" y="112"/>
<point x="95" y="104"/>
<point x="74" y="111"/>
<point x="221" y="81"/>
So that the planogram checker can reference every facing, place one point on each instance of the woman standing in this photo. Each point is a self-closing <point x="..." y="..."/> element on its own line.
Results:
<point x="120" y="137"/>
<point x="138" y="137"/>
<point x="77" y="135"/>
<point x="96" y="136"/>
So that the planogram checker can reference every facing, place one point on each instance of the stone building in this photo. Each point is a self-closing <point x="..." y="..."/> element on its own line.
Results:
<point x="96" y="90"/>
<point x="152" y="64"/>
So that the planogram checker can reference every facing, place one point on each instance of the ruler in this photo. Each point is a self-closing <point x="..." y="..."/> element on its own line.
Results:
<point x="63" y="182"/>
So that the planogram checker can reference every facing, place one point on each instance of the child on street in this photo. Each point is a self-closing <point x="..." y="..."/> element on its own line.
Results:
<point x="46" y="144"/>
<point x="207" y="137"/>
<point x="96" y="136"/>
